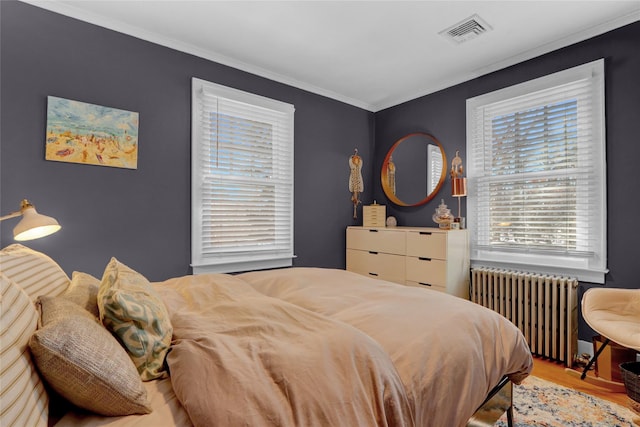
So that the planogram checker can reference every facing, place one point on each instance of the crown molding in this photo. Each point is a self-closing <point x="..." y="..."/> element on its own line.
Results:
<point x="118" y="26"/>
<point x="99" y="20"/>
<point x="516" y="59"/>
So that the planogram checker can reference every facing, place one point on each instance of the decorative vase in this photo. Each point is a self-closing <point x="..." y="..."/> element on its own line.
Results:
<point x="443" y="216"/>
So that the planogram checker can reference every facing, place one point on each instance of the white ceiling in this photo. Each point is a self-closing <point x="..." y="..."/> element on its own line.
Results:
<point x="372" y="54"/>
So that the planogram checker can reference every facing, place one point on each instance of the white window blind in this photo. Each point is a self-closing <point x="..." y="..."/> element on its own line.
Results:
<point x="242" y="180"/>
<point x="537" y="175"/>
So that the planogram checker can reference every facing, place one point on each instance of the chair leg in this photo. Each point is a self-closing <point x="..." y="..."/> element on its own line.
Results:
<point x="594" y="358"/>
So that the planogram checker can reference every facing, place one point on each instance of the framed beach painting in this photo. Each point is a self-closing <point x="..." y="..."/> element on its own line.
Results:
<point x="78" y="132"/>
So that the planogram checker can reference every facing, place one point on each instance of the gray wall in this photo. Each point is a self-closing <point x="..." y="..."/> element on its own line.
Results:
<point x="443" y="114"/>
<point x="142" y="216"/>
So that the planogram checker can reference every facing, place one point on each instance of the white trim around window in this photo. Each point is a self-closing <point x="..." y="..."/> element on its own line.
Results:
<point x="242" y="180"/>
<point x="537" y="175"/>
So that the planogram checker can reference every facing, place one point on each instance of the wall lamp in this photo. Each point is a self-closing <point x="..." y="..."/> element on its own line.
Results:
<point x="458" y="184"/>
<point x="32" y="225"/>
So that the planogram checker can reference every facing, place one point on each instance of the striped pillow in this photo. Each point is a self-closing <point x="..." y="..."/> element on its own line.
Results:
<point x="33" y="271"/>
<point x="23" y="399"/>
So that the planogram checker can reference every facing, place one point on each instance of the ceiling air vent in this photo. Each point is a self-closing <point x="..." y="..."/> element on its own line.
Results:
<point x="466" y="29"/>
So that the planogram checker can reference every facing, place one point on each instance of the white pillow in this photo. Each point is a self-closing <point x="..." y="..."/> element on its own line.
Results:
<point x="23" y="399"/>
<point x="36" y="273"/>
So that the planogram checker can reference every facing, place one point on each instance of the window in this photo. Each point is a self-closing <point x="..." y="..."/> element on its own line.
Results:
<point x="536" y="175"/>
<point x="242" y="180"/>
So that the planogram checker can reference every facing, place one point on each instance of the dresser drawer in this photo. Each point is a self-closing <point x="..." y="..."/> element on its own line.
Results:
<point x="427" y="244"/>
<point x="379" y="265"/>
<point x="426" y="257"/>
<point x="426" y="286"/>
<point x="427" y="271"/>
<point x="390" y="242"/>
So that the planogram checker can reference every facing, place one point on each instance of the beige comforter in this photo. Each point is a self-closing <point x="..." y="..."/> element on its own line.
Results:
<point x="240" y="358"/>
<point x="318" y="347"/>
<point x="449" y="352"/>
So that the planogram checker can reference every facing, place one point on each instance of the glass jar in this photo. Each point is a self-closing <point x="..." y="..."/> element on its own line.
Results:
<point x="443" y="216"/>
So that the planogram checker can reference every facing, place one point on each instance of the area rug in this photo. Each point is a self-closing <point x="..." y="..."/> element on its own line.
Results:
<point x="541" y="403"/>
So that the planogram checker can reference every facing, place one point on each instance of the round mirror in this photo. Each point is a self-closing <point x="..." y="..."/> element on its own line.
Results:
<point x="414" y="169"/>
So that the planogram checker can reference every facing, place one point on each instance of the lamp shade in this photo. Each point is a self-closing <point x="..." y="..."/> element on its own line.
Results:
<point x="34" y="225"/>
<point x="459" y="187"/>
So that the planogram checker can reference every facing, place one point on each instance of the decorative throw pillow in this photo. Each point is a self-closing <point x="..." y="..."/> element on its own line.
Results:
<point x="134" y="312"/>
<point x="36" y="273"/>
<point x="23" y="399"/>
<point x="83" y="290"/>
<point x="83" y="362"/>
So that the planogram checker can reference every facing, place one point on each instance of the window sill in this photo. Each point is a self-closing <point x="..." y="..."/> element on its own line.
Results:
<point x="240" y="266"/>
<point x="589" y="276"/>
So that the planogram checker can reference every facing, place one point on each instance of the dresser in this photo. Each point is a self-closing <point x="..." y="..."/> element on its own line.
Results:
<point x="413" y="256"/>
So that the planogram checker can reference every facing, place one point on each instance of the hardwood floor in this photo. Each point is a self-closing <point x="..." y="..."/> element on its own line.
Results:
<point x="555" y="372"/>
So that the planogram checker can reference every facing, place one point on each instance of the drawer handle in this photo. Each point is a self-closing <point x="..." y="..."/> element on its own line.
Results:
<point x="373" y="231"/>
<point x="373" y="274"/>
<point x="426" y="233"/>
<point x="424" y="284"/>
<point x="424" y="259"/>
<point x="373" y="253"/>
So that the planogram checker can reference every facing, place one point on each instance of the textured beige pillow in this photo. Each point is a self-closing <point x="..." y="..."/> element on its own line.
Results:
<point x="36" y="273"/>
<point x="23" y="399"/>
<point x="83" y="362"/>
<point x="134" y="312"/>
<point x="83" y="290"/>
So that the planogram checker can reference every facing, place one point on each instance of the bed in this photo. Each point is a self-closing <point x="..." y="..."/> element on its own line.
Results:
<point x="286" y="347"/>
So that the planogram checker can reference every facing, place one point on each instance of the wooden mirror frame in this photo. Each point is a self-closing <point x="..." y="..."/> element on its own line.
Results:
<point x="384" y="174"/>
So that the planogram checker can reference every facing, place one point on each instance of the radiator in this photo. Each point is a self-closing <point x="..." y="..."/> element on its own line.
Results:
<point x="544" y="308"/>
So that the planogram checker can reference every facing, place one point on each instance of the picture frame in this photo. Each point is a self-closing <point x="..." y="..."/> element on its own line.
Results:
<point x="79" y="132"/>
